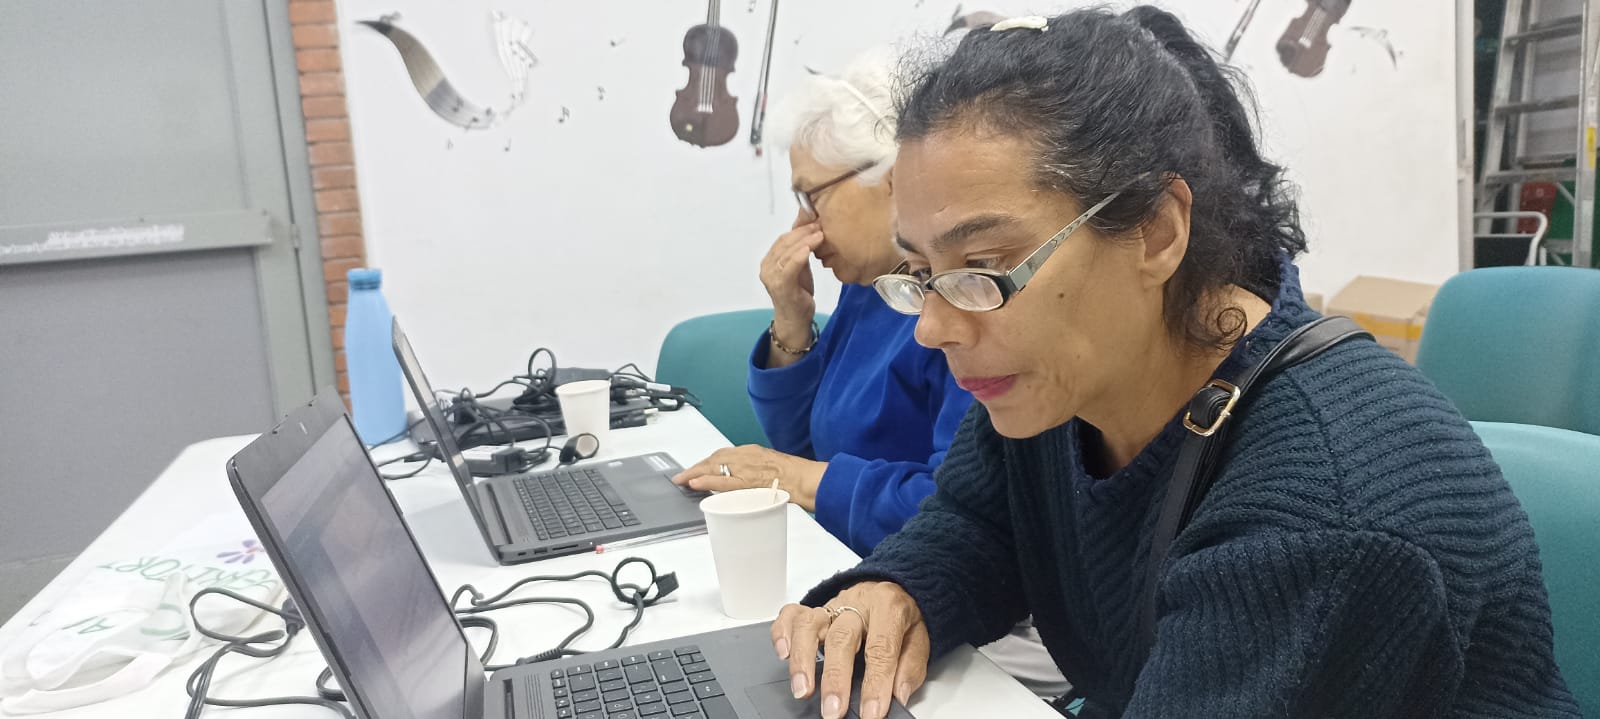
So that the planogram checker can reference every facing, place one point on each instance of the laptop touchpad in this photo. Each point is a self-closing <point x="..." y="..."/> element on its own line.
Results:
<point x="776" y="701"/>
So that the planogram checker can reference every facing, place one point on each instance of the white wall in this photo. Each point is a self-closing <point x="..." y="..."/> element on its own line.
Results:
<point x="594" y="235"/>
<point x="1370" y="141"/>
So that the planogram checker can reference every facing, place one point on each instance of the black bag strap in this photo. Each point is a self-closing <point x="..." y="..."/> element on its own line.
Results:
<point x="1206" y="419"/>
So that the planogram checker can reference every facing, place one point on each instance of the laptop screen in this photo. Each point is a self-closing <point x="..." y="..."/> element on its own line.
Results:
<point x="366" y="582"/>
<point x="429" y="403"/>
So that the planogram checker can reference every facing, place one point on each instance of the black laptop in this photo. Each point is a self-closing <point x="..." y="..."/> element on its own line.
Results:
<point x="542" y="514"/>
<point x="336" y="536"/>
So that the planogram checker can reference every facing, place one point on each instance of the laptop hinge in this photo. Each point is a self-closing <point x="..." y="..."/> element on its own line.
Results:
<point x="521" y="692"/>
<point x="489" y="508"/>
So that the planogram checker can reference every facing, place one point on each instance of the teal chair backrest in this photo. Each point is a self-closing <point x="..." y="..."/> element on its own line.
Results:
<point x="710" y="355"/>
<point x="1555" y="474"/>
<point x="1518" y="344"/>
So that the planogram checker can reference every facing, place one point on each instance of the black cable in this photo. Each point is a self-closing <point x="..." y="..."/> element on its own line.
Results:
<point x="199" y="683"/>
<point x="671" y="401"/>
<point x="631" y="594"/>
<point x="413" y="457"/>
<point x="551" y="374"/>
<point x="485" y="416"/>
<point x="471" y="616"/>
<point x="412" y="473"/>
<point x="519" y="379"/>
<point x="337" y="695"/>
<point x="544" y="379"/>
<point x="488" y="416"/>
<point x="398" y="435"/>
<point x="476" y="423"/>
<point x="639" y="373"/>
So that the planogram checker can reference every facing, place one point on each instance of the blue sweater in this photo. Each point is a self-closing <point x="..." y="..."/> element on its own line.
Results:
<point x="872" y="403"/>
<point x="1358" y="556"/>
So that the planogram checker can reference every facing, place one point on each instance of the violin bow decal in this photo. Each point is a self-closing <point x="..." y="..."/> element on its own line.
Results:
<point x="759" y="116"/>
<point x="1238" y="30"/>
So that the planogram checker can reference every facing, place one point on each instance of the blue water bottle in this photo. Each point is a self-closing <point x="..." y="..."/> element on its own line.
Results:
<point x="377" y="394"/>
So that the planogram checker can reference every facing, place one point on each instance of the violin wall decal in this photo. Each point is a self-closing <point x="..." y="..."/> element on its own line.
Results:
<point x="1303" y="48"/>
<point x="704" y="114"/>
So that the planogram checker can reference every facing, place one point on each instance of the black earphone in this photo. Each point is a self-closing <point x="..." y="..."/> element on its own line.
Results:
<point x="579" y="447"/>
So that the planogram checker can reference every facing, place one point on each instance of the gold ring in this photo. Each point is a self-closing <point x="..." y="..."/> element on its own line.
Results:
<point x="842" y="609"/>
<point x="723" y="468"/>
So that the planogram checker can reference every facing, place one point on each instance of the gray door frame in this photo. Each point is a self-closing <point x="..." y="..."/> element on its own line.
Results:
<point x="297" y="283"/>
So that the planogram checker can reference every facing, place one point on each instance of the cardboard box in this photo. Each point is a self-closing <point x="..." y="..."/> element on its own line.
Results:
<point x="1394" y="311"/>
<point x="1314" y="299"/>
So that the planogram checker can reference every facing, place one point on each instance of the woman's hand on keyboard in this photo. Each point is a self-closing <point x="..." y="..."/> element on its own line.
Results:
<point x="752" y="466"/>
<point x="877" y="619"/>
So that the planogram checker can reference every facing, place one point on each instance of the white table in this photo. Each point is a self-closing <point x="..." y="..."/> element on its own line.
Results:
<point x="963" y="684"/>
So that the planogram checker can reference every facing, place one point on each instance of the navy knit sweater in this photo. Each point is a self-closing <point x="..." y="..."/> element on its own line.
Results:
<point x="1358" y="556"/>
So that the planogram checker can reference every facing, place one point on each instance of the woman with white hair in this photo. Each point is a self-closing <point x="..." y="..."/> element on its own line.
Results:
<point x="858" y="413"/>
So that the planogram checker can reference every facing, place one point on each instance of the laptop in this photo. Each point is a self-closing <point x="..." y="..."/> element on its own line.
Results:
<point x="376" y="611"/>
<point x="550" y="513"/>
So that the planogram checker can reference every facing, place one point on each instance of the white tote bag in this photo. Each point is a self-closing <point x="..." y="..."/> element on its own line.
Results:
<point x="129" y="619"/>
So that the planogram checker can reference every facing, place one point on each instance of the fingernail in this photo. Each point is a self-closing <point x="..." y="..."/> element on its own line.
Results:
<point x="903" y="693"/>
<point x="782" y="645"/>
<point x="830" y="707"/>
<point x="798" y="686"/>
<point x="872" y="710"/>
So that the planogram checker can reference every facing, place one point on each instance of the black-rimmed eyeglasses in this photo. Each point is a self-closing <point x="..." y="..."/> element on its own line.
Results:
<point x="974" y="289"/>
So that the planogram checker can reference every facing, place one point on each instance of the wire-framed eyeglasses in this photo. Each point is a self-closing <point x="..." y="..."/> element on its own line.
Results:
<point x="808" y="198"/>
<point x="974" y="289"/>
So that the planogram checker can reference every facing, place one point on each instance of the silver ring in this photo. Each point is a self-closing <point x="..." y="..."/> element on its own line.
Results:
<point x="839" y="612"/>
<point x="723" y="468"/>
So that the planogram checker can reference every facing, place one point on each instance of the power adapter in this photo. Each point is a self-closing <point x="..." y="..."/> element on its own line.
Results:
<point x="565" y="375"/>
<point x="495" y="461"/>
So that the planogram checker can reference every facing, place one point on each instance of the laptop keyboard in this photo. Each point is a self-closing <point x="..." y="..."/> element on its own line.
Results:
<point x="572" y="502"/>
<point x="666" y="684"/>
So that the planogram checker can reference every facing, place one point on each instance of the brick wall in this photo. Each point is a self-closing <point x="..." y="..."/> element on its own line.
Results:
<point x="333" y="173"/>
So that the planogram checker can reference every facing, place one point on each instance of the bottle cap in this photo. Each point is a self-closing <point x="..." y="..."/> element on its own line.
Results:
<point x="365" y="278"/>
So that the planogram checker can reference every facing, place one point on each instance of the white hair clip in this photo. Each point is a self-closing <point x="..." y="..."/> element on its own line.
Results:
<point x="853" y="90"/>
<point x="1031" y="22"/>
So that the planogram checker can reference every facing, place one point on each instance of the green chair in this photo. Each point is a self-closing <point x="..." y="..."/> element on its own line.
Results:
<point x="1555" y="474"/>
<point x="1518" y="344"/>
<point x="710" y="355"/>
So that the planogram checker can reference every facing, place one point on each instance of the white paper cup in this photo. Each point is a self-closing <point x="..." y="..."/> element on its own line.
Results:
<point x="586" y="408"/>
<point x="749" y="532"/>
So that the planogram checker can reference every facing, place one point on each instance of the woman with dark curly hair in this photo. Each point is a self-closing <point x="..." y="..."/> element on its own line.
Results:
<point x="1091" y="235"/>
